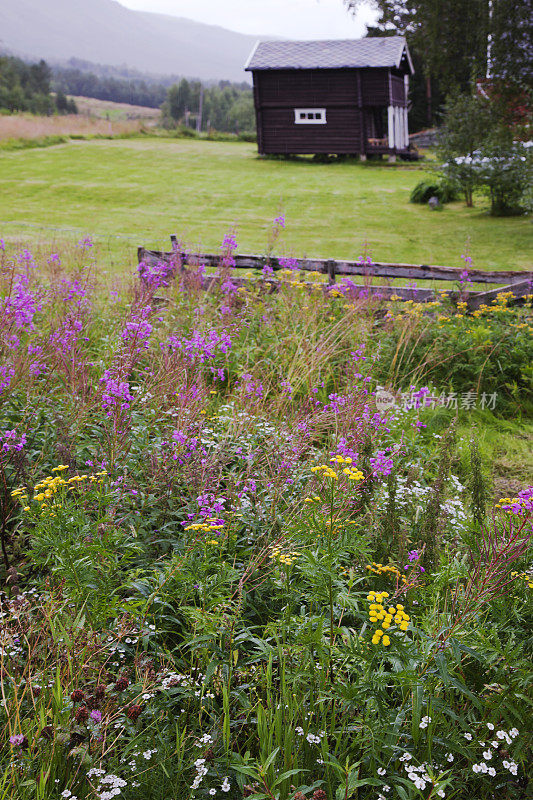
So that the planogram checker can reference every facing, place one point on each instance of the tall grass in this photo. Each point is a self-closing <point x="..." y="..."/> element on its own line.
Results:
<point x="227" y="572"/>
<point x="27" y="126"/>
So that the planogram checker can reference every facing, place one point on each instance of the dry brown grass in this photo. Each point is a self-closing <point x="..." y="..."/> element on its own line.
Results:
<point x="106" y="109"/>
<point x="26" y="126"/>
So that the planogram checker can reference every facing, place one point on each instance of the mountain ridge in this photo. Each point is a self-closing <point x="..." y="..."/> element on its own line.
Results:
<point x="104" y="31"/>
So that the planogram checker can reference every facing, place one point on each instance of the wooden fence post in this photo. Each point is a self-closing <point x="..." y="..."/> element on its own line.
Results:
<point x="332" y="271"/>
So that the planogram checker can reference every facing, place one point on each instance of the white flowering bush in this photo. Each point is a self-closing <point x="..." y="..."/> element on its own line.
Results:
<point x="504" y="171"/>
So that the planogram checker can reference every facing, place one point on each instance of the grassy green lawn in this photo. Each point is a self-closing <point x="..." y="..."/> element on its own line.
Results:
<point x="141" y="190"/>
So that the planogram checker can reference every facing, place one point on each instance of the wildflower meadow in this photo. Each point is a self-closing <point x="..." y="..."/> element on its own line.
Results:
<point x="228" y="570"/>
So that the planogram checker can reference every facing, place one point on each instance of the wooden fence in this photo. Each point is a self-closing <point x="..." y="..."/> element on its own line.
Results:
<point x="519" y="283"/>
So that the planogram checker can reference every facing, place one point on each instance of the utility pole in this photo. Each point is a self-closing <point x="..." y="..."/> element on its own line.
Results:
<point x="200" y="111"/>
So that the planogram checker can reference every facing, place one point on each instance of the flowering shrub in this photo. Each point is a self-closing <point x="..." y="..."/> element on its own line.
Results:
<point x="503" y="170"/>
<point x="227" y="571"/>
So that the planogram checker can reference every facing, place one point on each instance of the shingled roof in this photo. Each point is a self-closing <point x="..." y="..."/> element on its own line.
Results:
<point x="386" y="51"/>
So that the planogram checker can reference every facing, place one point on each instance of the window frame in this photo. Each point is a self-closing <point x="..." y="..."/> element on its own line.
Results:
<point x="298" y="120"/>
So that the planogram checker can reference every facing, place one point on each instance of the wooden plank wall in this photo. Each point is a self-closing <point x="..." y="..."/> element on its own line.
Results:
<point x="341" y="91"/>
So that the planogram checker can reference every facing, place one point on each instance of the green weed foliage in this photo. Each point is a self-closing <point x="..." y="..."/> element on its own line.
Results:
<point x="228" y="571"/>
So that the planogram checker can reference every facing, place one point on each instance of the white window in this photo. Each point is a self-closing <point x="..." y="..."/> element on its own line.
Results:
<point x="310" y="116"/>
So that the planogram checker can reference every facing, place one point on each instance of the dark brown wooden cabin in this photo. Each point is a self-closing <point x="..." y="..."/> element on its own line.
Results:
<point x="347" y="96"/>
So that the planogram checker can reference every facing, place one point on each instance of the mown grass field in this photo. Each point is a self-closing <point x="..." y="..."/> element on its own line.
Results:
<point x="137" y="191"/>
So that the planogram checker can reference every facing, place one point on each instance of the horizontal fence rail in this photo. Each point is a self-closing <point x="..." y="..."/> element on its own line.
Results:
<point x="519" y="282"/>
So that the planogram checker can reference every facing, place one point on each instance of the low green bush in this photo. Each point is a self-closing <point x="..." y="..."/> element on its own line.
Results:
<point x="446" y="191"/>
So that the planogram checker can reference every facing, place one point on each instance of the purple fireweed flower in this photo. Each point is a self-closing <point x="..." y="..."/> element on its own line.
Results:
<point x="345" y="450"/>
<point x="464" y="278"/>
<point x="381" y="464"/>
<point x="116" y="393"/>
<point x="96" y="715"/>
<point x="180" y="437"/>
<point x="414" y="556"/>
<point x="36" y="367"/>
<point x="229" y="246"/>
<point x="419" y="398"/>
<point x="155" y="275"/>
<point x="200" y="347"/>
<point x="137" y="329"/>
<point x="6" y="374"/>
<point x="26" y="259"/>
<point x="365" y="260"/>
<point x="286" y="262"/>
<point x="54" y="259"/>
<point x="280" y="220"/>
<point x="520" y="504"/>
<point x="229" y="242"/>
<point x="66" y="336"/>
<point x="337" y="403"/>
<point x="18" y="740"/>
<point x="228" y="287"/>
<point x="71" y="289"/>
<point x="22" y="305"/>
<point x="2" y="246"/>
<point x="85" y="243"/>
<point x="12" y="441"/>
<point x="251" y="387"/>
<point x="287" y="388"/>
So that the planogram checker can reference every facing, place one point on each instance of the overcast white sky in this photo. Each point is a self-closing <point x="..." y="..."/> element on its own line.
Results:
<point x="293" y="19"/>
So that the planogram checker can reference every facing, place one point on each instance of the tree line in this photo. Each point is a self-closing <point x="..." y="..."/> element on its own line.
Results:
<point x="27" y="87"/>
<point x="135" y="91"/>
<point x="222" y="106"/>
<point x="225" y="107"/>
<point x="456" y="43"/>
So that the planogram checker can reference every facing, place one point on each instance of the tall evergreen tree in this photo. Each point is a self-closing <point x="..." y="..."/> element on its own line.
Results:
<point x="452" y="39"/>
<point x="511" y="44"/>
